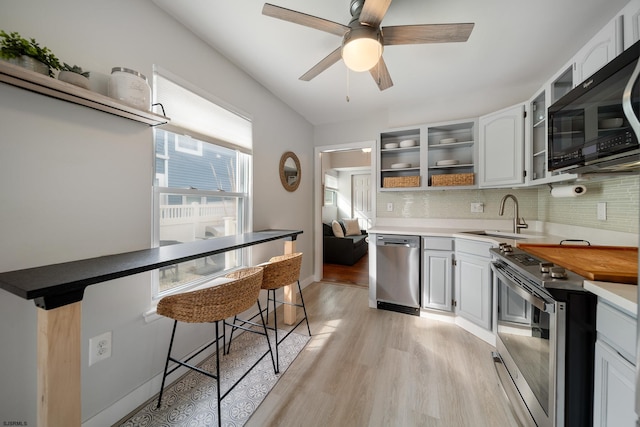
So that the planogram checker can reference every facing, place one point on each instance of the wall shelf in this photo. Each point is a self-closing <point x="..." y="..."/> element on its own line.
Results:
<point x="45" y="85"/>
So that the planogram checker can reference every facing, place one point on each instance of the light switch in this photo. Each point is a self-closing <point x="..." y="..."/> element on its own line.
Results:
<point x="389" y="207"/>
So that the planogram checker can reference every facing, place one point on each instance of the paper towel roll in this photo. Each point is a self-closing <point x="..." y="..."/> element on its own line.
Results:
<point x="569" y="191"/>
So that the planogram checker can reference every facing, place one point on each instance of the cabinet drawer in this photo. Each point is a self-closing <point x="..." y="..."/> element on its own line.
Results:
<point x="618" y="329"/>
<point x="437" y="243"/>
<point x="473" y="247"/>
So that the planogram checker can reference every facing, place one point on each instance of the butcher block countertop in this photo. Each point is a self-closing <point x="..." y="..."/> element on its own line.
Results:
<point x="601" y="263"/>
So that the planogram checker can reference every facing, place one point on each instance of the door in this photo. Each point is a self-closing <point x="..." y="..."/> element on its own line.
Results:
<point x="614" y="389"/>
<point x="501" y="147"/>
<point x="436" y="279"/>
<point x="361" y="200"/>
<point x="473" y="289"/>
<point x="599" y="51"/>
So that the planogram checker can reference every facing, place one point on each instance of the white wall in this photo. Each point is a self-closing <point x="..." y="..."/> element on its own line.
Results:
<point x="76" y="183"/>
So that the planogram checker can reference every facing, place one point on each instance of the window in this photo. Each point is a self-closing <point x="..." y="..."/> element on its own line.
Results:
<point x="201" y="186"/>
<point x="330" y="197"/>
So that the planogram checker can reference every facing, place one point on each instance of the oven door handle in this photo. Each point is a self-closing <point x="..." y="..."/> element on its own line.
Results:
<point x="532" y="299"/>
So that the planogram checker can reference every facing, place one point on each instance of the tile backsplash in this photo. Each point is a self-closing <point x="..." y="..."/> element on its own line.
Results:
<point x="621" y="194"/>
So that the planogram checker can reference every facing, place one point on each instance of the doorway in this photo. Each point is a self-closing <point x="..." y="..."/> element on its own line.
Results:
<point x="344" y="190"/>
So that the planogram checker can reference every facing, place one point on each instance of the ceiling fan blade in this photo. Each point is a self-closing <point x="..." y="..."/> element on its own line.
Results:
<point x="381" y="75"/>
<point x="428" y="33"/>
<point x="373" y="11"/>
<point x="304" y="19"/>
<point x="327" y="62"/>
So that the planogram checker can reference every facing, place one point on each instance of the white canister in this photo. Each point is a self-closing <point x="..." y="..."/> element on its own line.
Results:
<point x="130" y="87"/>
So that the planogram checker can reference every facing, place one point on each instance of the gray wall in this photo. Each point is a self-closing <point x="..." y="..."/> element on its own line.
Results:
<point x="76" y="183"/>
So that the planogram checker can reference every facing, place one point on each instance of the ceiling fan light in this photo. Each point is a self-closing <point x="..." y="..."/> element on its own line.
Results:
<point x="362" y="49"/>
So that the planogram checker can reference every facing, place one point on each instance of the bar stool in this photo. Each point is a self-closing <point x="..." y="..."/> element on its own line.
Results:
<point x="279" y="272"/>
<point x="213" y="305"/>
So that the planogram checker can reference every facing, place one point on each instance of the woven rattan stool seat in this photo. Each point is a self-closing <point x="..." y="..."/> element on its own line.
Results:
<point x="281" y="271"/>
<point x="217" y="302"/>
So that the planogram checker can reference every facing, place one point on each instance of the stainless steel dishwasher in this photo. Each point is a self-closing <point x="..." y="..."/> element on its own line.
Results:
<point x="398" y="273"/>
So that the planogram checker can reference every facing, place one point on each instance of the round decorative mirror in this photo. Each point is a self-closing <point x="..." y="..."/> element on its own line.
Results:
<point x="290" y="171"/>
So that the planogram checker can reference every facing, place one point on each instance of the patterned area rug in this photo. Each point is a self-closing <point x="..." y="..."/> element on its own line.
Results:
<point x="191" y="401"/>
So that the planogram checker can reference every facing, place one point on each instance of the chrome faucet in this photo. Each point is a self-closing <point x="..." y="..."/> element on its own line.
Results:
<point x="518" y="222"/>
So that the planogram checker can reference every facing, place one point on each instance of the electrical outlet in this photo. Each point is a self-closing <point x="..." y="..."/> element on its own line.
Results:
<point x="389" y="207"/>
<point x="477" y="207"/>
<point x="99" y="348"/>
<point x="602" y="211"/>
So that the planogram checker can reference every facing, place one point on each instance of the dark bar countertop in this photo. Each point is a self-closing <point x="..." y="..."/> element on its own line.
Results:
<point x="56" y="285"/>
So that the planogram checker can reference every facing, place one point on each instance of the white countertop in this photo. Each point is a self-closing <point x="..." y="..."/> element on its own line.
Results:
<point x="621" y="294"/>
<point x="505" y="236"/>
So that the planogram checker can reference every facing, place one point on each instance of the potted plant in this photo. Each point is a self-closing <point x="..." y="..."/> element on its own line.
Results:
<point x="27" y="53"/>
<point x="73" y="74"/>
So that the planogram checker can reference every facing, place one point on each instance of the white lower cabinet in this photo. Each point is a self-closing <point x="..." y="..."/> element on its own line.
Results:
<point x="615" y="389"/>
<point x="437" y="272"/>
<point x="614" y="370"/>
<point x="473" y="282"/>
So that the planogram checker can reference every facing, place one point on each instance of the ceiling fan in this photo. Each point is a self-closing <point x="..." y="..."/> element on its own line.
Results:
<point x="363" y="39"/>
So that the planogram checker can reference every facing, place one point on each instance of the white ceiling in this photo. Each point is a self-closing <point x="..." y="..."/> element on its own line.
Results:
<point x="515" y="46"/>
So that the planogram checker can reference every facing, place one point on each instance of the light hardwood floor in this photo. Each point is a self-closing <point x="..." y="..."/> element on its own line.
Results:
<point x="369" y="367"/>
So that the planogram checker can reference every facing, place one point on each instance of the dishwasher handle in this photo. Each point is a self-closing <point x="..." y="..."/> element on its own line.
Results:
<point x="398" y="241"/>
<point x="403" y="244"/>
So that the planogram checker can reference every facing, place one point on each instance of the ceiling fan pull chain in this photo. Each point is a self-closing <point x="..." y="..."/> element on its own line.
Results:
<point x="348" y="85"/>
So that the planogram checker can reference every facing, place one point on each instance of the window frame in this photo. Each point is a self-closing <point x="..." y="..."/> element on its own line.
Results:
<point x="243" y="181"/>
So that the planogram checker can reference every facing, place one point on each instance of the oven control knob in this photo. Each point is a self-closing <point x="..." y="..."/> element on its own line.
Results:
<point x="545" y="267"/>
<point x="558" y="273"/>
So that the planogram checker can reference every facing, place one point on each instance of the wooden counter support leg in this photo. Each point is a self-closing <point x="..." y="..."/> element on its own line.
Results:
<point x="59" y="382"/>
<point x="289" y="290"/>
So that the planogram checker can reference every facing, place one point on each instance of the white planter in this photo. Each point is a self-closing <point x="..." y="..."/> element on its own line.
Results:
<point x="74" y="79"/>
<point x="30" y="64"/>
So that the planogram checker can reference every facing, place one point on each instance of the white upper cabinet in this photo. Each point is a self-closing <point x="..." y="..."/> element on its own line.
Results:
<point x="536" y="138"/>
<point x="631" y="16"/>
<point x="601" y="49"/>
<point x="501" y="147"/>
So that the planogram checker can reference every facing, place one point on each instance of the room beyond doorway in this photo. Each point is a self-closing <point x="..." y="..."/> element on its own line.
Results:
<point x="345" y="189"/>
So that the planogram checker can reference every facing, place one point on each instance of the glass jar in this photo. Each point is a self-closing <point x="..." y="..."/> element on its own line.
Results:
<point x="130" y="87"/>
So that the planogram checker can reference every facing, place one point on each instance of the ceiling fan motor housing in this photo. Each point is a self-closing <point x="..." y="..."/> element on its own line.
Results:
<point x="362" y="46"/>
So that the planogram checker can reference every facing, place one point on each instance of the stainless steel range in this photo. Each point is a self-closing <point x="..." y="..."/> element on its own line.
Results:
<point x="545" y="339"/>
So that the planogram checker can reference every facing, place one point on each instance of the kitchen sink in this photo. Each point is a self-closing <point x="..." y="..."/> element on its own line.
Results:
<point x="503" y="234"/>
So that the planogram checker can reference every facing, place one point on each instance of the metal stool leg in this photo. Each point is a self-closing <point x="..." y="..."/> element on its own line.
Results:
<point x="233" y="329"/>
<point x="166" y="365"/>
<point x="218" y="375"/>
<point x="304" y="308"/>
<point x="276" y="368"/>
<point x="275" y="328"/>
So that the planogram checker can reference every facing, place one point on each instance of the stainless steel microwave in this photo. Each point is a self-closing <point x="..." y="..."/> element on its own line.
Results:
<point x="595" y="127"/>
